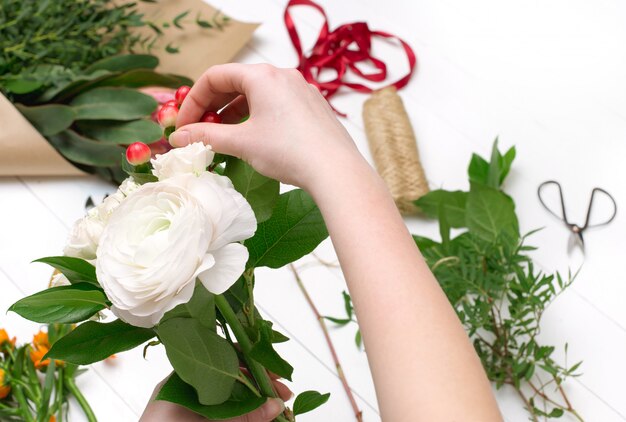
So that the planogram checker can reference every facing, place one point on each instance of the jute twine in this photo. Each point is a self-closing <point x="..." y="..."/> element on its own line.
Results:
<point x="394" y="148"/>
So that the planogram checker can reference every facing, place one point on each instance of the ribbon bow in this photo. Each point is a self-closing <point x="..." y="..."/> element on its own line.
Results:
<point x="333" y="50"/>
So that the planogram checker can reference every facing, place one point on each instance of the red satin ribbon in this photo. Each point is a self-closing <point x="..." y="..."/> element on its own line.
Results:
<point x="332" y="51"/>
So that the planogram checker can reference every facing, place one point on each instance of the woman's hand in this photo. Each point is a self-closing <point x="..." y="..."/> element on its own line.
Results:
<point x="292" y="134"/>
<point x="159" y="410"/>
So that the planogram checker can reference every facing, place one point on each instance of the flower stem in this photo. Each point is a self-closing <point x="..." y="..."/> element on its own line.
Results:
<point x="82" y="401"/>
<point x="358" y="414"/>
<point x="256" y="369"/>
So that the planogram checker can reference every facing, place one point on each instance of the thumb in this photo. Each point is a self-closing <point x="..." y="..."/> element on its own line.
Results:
<point x="223" y="138"/>
<point x="266" y="413"/>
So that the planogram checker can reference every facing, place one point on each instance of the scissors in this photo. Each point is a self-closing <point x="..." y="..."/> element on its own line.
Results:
<point x="576" y="230"/>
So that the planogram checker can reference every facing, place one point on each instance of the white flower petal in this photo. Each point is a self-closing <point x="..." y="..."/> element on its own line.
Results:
<point x="230" y="262"/>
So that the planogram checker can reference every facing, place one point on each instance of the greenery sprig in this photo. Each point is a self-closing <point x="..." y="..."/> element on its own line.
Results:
<point x="497" y="291"/>
<point x="494" y="286"/>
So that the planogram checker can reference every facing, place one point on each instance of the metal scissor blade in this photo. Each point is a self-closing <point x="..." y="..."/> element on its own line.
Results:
<point x="575" y="240"/>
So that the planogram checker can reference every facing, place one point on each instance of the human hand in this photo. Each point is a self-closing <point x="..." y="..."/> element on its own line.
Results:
<point x="159" y="410"/>
<point x="292" y="133"/>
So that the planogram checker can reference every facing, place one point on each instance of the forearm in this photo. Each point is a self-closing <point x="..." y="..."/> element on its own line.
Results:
<point x="423" y="364"/>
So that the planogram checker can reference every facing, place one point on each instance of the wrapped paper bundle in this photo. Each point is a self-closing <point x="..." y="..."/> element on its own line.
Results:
<point x="56" y="136"/>
<point x="394" y="148"/>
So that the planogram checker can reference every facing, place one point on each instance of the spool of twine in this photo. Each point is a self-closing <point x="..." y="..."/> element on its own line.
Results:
<point x="394" y="148"/>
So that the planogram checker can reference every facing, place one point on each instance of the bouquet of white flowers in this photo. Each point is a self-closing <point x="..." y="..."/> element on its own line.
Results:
<point x="172" y="254"/>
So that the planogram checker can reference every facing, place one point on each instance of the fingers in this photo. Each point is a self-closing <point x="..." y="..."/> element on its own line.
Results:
<point x="283" y="391"/>
<point x="266" y="413"/>
<point x="235" y="110"/>
<point x="218" y="86"/>
<point x="224" y="139"/>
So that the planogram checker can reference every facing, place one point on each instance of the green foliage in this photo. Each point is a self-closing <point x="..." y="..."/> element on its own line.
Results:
<point x="65" y="304"/>
<point x="260" y="191"/>
<point x="201" y="358"/>
<point x="108" y="103"/>
<point x="264" y="353"/>
<point x="82" y="150"/>
<point x="201" y="307"/>
<point x="496" y="290"/>
<point x="309" y="400"/>
<point x="95" y="341"/>
<point x="453" y="203"/>
<point x="350" y="317"/>
<point x="241" y="401"/>
<point x="295" y="228"/>
<point x="75" y="269"/>
<point x="122" y="133"/>
<point x="49" y="119"/>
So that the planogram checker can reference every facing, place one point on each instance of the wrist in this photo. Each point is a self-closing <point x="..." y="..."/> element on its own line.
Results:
<point x="346" y="173"/>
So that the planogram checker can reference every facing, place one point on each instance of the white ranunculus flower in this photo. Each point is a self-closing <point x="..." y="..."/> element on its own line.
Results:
<point x="165" y="236"/>
<point x="85" y="234"/>
<point x="193" y="159"/>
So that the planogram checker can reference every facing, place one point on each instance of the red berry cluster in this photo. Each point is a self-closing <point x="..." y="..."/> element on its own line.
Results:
<point x="169" y="111"/>
<point x="139" y="153"/>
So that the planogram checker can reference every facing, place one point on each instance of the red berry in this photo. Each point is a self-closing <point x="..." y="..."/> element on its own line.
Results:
<point x="211" y="117"/>
<point x="181" y="93"/>
<point x="172" y="103"/>
<point x="138" y="153"/>
<point x="167" y="115"/>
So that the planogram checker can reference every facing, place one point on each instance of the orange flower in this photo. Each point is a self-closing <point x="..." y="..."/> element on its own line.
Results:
<point x="52" y="419"/>
<point x="36" y="355"/>
<point x="5" y="389"/>
<point x="41" y="340"/>
<point x="4" y="338"/>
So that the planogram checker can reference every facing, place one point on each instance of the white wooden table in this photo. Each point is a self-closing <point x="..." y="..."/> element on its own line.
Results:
<point x="546" y="76"/>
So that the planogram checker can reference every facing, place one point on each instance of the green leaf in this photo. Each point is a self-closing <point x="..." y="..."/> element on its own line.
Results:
<point x="201" y="358"/>
<point x="178" y="18"/>
<point x="240" y="402"/>
<point x="171" y="49"/>
<point x="478" y="170"/>
<point x="278" y="337"/>
<point x="95" y="341"/>
<point x="338" y="321"/>
<point x="65" y="304"/>
<point x="124" y="133"/>
<point x="307" y="401"/>
<point x="295" y="229"/>
<point x="264" y="353"/>
<point x="358" y="340"/>
<point x="495" y="170"/>
<point x="490" y="212"/>
<point x="21" y="86"/>
<point x="453" y="203"/>
<point x="75" y="269"/>
<point x="124" y="63"/>
<point x="506" y="162"/>
<point x="111" y="103"/>
<point x="140" y="78"/>
<point x="424" y="243"/>
<point x="75" y="86"/>
<point x="48" y="386"/>
<point x="86" y="151"/>
<point x="260" y="191"/>
<point x="347" y="304"/>
<point x="48" y="119"/>
<point x="201" y="306"/>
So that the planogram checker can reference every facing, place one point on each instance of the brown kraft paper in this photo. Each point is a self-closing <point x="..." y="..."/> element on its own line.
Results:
<point x="24" y="152"/>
